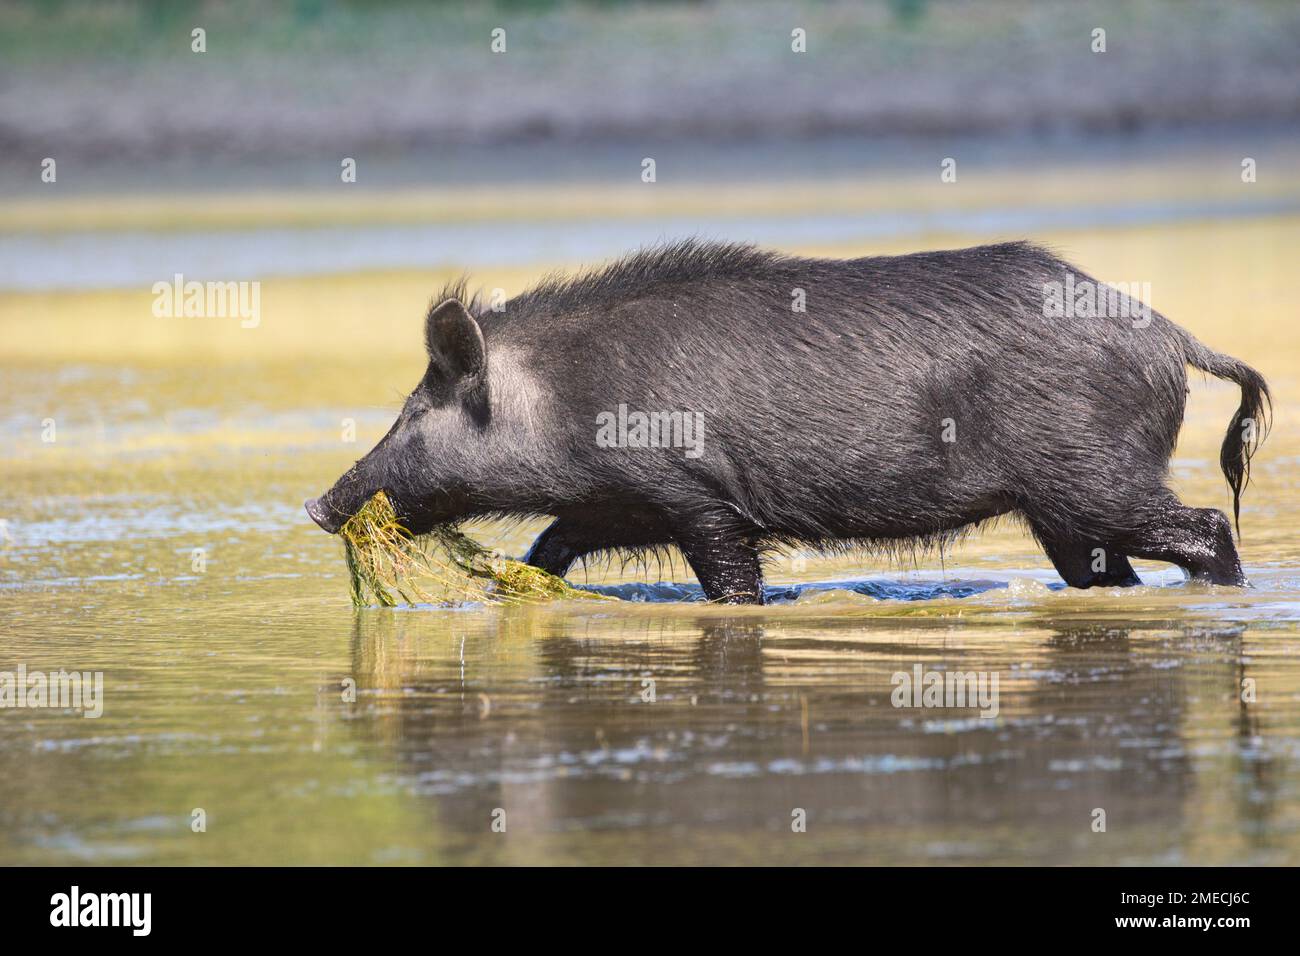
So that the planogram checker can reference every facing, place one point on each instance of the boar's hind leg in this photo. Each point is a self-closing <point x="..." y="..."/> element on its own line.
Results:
<point x="1198" y="540"/>
<point x="1086" y="564"/>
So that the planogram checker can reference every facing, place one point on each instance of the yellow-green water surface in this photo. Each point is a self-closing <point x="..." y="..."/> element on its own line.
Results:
<point x="151" y="479"/>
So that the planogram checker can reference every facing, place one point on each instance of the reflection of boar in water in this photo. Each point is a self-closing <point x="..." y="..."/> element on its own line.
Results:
<point x="916" y="396"/>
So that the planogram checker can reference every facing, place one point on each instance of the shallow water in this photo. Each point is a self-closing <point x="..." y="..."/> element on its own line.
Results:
<point x="228" y="678"/>
<point x="138" y="258"/>
<point x="231" y="694"/>
<point x="159" y="539"/>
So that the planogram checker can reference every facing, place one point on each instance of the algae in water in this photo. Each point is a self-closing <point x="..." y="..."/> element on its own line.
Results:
<point x="386" y="563"/>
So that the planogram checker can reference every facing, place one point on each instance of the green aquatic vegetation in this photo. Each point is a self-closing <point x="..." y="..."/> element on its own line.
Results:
<point x="387" y="563"/>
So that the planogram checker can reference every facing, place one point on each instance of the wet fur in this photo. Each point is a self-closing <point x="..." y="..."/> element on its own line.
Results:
<point x="823" y="429"/>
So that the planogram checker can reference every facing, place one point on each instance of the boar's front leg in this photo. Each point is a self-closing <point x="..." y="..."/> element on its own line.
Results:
<point x="724" y="558"/>
<point x="567" y="539"/>
<point x="556" y="548"/>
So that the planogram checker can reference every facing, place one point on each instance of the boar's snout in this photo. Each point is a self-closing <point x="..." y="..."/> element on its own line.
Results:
<point x="323" y="516"/>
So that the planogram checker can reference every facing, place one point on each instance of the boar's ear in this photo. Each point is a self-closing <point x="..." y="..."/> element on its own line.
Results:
<point x="454" y="340"/>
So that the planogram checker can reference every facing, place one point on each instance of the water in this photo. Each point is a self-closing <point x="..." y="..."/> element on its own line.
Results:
<point x="230" y="694"/>
<point x="138" y="258"/>
<point x="240" y="685"/>
<point x="151" y="479"/>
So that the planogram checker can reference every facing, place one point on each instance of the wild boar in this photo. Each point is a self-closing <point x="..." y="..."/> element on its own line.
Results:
<point x="731" y="401"/>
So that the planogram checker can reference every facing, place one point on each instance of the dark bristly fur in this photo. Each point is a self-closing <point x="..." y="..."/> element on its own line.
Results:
<point x="916" y="397"/>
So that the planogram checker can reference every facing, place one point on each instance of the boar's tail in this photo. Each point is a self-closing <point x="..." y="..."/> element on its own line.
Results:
<point x="1249" y="425"/>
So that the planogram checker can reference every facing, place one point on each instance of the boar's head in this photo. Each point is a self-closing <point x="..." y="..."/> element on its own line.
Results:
<point x="425" y="462"/>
